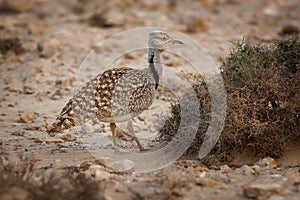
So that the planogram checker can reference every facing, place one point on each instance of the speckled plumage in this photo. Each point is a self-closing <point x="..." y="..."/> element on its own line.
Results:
<point x="116" y="95"/>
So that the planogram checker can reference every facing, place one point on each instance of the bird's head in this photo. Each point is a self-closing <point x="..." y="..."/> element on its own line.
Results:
<point x="161" y="40"/>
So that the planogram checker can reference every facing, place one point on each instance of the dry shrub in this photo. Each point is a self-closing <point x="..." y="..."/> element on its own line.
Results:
<point x="38" y="185"/>
<point x="172" y="124"/>
<point x="262" y="84"/>
<point x="263" y="110"/>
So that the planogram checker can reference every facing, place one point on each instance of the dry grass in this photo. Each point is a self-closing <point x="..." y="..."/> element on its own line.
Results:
<point x="38" y="185"/>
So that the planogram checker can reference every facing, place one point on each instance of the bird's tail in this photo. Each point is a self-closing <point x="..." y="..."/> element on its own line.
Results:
<point x="64" y="121"/>
<point x="55" y="128"/>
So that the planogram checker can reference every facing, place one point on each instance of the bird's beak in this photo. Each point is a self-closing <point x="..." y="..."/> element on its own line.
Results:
<point x="177" y="42"/>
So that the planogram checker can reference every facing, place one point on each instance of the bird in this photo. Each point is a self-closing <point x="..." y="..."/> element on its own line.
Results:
<point x="118" y="94"/>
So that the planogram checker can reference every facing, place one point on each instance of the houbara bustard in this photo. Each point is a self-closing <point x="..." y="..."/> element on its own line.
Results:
<point x="117" y="95"/>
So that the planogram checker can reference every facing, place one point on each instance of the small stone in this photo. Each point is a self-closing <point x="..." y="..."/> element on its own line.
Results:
<point x="104" y="161"/>
<point x="226" y="169"/>
<point x="28" y="89"/>
<point x="32" y="127"/>
<point x="48" y="48"/>
<point x="206" y="182"/>
<point x="256" y="168"/>
<point x="49" y="141"/>
<point x="85" y="165"/>
<point x="257" y="190"/>
<point x="245" y="170"/>
<point x="67" y="137"/>
<point x="65" y="79"/>
<point x="267" y="163"/>
<point x="271" y="11"/>
<point x="98" y="172"/>
<point x="19" y="133"/>
<point x="27" y="117"/>
<point x="121" y="167"/>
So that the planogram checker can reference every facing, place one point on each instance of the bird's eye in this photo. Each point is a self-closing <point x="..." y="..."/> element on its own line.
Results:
<point x="163" y="38"/>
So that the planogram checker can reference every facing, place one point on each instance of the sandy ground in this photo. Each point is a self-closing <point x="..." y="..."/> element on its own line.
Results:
<point x="56" y="37"/>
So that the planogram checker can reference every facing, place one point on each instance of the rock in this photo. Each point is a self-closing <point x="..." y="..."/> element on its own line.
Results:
<point x="104" y="161"/>
<point x="68" y="137"/>
<point x="245" y="170"/>
<point x="86" y="165"/>
<point x="98" y="172"/>
<point x="271" y="11"/>
<point x="267" y="163"/>
<point x="208" y="182"/>
<point x="32" y="127"/>
<point x="226" y="169"/>
<point x="28" y="89"/>
<point x="65" y="79"/>
<point x="121" y="167"/>
<point x="257" y="190"/>
<point x="256" y="168"/>
<point x="27" y="117"/>
<point x="49" y="141"/>
<point x="101" y="161"/>
<point x="14" y="193"/>
<point x="48" y="48"/>
<point x="19" y="133"/>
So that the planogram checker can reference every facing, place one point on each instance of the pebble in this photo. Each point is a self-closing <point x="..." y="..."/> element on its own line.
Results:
<point x="65" y="79"/>
<point x="267" y="163"/>
<point x="27" y="117"/>
<point x="256" y="168"/>
<point x="121" y="167"/>
<point x="206" y="182"/>
<point x="104" y="161"/>
<point x="226" y="169"/>
<point x="19" y="133"/>
<point x="49" y="141"/>
<point x="98" y="172"/>
<point x="257" y="190"/>
<point x="245" y="170"/>
<point x="68" y="137"/>
<point x="48" y="48"/>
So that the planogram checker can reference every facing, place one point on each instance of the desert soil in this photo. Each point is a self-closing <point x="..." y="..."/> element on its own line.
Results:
<point x="39" y="73"/>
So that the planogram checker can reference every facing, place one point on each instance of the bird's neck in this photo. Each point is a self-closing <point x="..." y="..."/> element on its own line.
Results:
<point x="155" y="64"/>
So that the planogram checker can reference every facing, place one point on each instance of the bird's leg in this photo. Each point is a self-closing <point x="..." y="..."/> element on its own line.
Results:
<point x="113" y="131"/>
<point x="131" y="133"/>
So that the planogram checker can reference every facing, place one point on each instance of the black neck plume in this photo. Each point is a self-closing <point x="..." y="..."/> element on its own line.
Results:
<point x="153" y="70"/>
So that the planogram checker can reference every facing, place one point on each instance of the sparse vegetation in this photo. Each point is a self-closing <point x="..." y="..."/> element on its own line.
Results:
<point x="263" y="111"/>
<point x="29" y="183"/>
